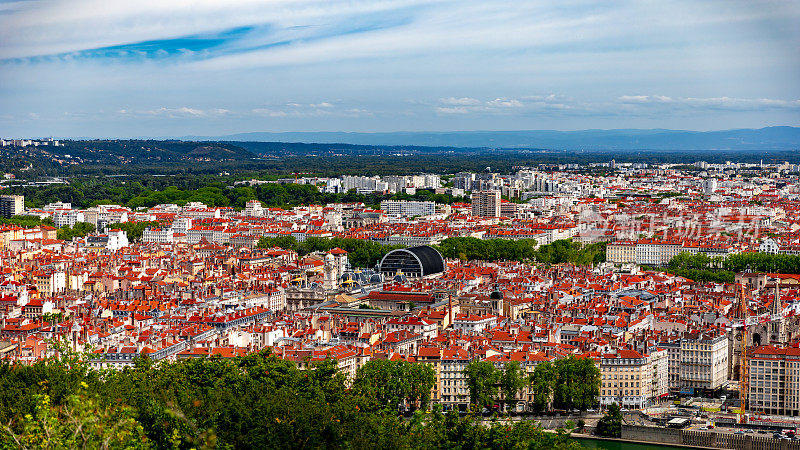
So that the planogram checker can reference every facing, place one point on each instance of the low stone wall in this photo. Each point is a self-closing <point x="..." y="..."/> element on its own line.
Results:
<point x="651" y="434"/>
<point x="737" y="441"/>
<point x="706" y="438"/>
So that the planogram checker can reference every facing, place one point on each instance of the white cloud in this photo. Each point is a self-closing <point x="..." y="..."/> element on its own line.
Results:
<point x="504" y="103"/>
<point x="74" y="25"/>
<point x="635" y="98"/>
<point x="454" y="109"/>
<point x="268" y="112"/>
<point x="711" y="102"/>
<point x="468" y="63"/>
<point x="460" y="101"/>
<point x="500" y="105"/>
<point x="303" y="110"/>
<point x="183" y="112"/>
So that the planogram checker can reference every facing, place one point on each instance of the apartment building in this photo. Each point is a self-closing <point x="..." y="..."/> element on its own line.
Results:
<point x="160" y="235"/>
<point x="253" y="208"/>
<point x="703" y="362"/>
<point x="626" y="379"/>
<point x="454" y="390"/>
<point x="659" y="369"/>
<point x="655" y="252"/>
<point x="68" y="217"/>
<point x="774" y="381"/>
<point x="673" y="349"/>
<point x="408" y="208"/>
<point x="632" y="379"/>
<point x="621" y="252"/>
<point x="11" y="205"/>
<point x="486" y="203"/>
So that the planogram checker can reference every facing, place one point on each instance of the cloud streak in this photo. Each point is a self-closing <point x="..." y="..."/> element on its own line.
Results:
<point x="737" y="104"/>
<point x="372" y="65"/>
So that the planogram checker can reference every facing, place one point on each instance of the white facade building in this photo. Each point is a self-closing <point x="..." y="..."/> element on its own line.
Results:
<point x="408" y="208"/>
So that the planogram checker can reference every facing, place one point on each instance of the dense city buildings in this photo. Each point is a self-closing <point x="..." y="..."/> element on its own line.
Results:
<point x="198" y="280"/>
<point x="399" y="224"/>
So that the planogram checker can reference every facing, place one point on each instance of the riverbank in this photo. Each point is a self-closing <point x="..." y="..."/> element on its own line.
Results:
<point x="605" y="443"/>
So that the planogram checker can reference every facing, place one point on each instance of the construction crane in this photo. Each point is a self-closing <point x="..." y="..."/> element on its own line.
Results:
<point x="299" y="173"/>
<point x="744" y="313"/>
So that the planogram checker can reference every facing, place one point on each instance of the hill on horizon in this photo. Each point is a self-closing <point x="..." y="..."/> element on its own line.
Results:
<point x="768" y="138"/>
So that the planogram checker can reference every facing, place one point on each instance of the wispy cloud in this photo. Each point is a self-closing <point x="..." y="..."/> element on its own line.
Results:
<point x="632" y="105"/>
<point x="505" y="105"/>
<point x="711" y="102"/>
<point x="306" y="110"/>
<point x="466" y="105"/>
<point x="463" y="101"/>
<point x="201" y="29"/>
<point x="370" y="65"/>
<point x="182" y="112"/>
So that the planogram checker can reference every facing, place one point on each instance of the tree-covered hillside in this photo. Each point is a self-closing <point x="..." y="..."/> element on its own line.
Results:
<point x="252" y="402"/>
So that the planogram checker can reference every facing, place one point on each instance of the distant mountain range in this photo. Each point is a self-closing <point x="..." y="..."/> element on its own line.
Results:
<point x="770" y="138"/>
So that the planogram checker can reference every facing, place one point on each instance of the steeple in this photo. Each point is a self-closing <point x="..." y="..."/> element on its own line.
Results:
<point x="775" y="308"/>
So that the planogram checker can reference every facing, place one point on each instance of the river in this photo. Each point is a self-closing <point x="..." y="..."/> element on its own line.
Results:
<point x="617" y="445"/>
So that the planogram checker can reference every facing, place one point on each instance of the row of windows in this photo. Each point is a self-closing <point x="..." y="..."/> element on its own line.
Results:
<point x="623" y="377"/>
<point x="621" y="384"/>
<point x="621" y="392"/>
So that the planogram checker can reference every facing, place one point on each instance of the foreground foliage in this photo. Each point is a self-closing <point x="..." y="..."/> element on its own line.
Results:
<point x="610" y="425"/>
<point x="256" y="401"/>
<point x="569" y="384"/>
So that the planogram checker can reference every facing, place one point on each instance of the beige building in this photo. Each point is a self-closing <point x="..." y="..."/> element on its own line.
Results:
<point x="9" y="233"/>
<point x="774" y="381"/>
<point x="703" y="362"/>
<point x="486" y="203"/>
<point x="621" y="252"/>
<point x="454" y="392"/>
<point x="659" y="369"/>
<point x="631" y="379"/>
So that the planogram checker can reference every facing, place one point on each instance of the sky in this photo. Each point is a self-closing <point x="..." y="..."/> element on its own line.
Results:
<point x="156" y="68"/>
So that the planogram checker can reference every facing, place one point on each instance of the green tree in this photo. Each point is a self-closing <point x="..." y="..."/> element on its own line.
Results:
<point x="80" y="229"/>
<point x="390" y="384"/>
<point x="219" y="402"/>
<point x="80" y="423"/>
<point x="511" y="382"/>
<point x="482" y="382"/>
<point x="26" y="221"/>
<point x="610" y="425"/>
<point x="577" y="385"/>
<point x="134" y="230"/>
<point x="543" y="381"/>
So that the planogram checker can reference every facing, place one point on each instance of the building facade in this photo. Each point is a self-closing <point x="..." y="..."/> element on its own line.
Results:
<point x="774" y="381"/>
<point x="11" y="205"/>
<point x="486" y="204"/>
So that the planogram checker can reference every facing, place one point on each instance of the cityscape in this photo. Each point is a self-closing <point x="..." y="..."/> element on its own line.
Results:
<point x="400" y="225"/>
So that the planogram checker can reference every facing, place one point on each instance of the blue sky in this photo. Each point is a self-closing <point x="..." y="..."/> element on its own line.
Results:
<point x="107" y="68"/>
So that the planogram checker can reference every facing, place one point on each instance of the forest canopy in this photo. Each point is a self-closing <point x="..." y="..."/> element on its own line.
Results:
<point x="255" y="401"/>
